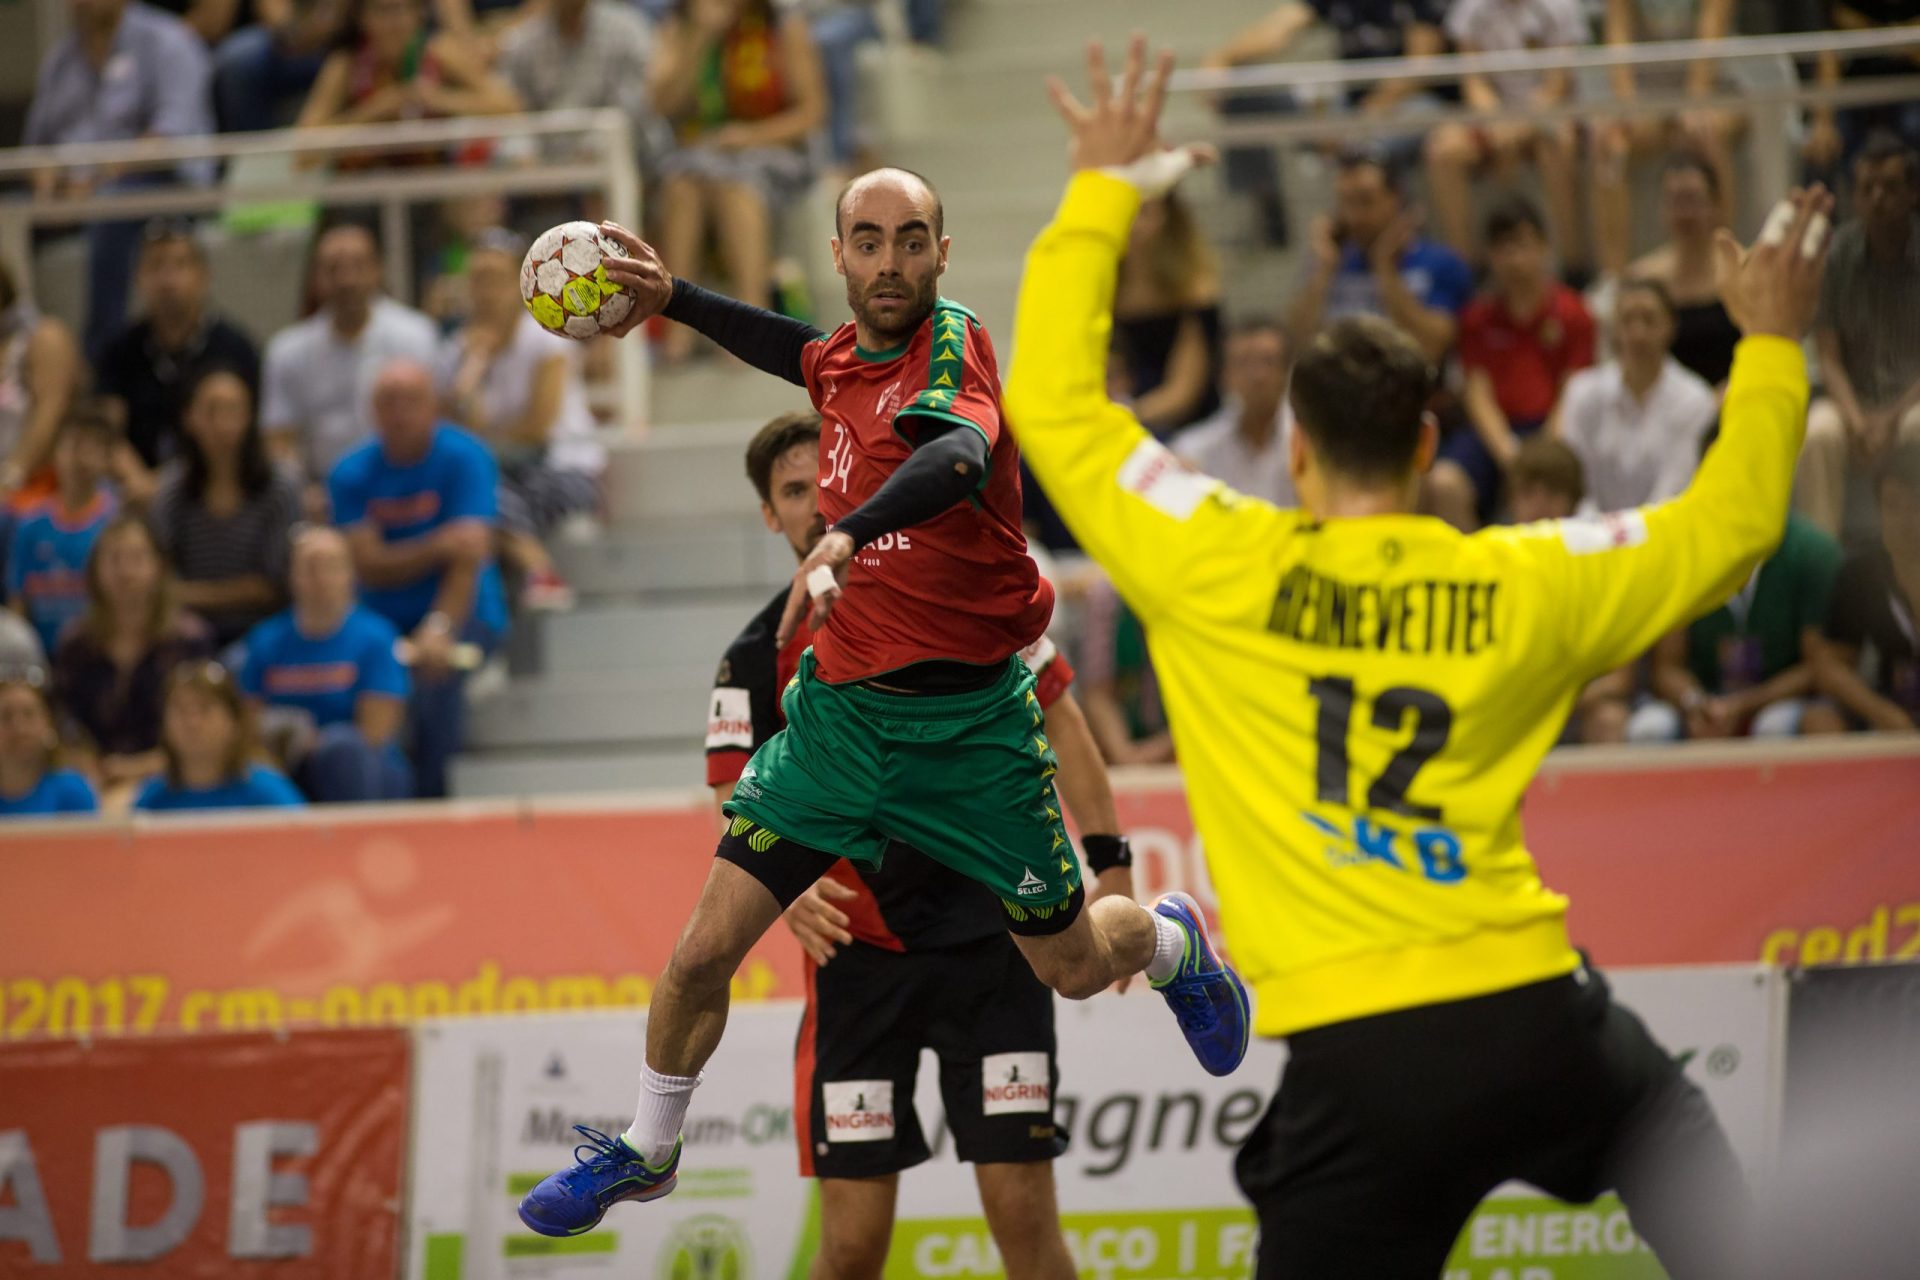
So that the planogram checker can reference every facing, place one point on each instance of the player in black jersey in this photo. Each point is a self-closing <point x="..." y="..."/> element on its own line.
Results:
<point x="913" y="956"/>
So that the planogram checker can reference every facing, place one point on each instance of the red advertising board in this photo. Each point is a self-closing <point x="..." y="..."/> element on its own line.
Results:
<point x="199" y="1157"/>
<point x="377" y="918"/>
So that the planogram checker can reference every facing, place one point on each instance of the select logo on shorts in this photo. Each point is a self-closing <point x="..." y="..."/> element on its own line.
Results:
<point x="1013" y="1082"/>
<point x="1030" y="885"/>
<point x="858" y="1110"/>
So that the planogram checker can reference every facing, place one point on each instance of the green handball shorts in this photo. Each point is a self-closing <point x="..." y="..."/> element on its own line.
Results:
<point x="965" y="778"/>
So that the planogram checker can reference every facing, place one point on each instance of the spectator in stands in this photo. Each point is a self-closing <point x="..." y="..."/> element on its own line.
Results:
<point x="1363" y="29"/>
<point x="1744" y="668"/>
<point x="584" y="53"/>
<point x="40" y="370"/>
<point x="1835" y="136"/>
<point x="1117" y="686"/>
<point x="1636" y="422"/>
<point x="1369" y="257"/>
<point x="1704" y="334"/>
<point x="326" y="669"/>
<point x="418" y="506"/>
<point x="1867" y="663"/>
<point x="1245" y="442"/>
<point x="1704" y="132"/>
<point x="1547" y="480"/>
<point x="743" y="89"/>
<point x="1548" y="484"/>
<point x="210" y="751"/>
<point x="518" y="388"/>
<point x="1456" y="152"/>
<point x="149" y="366"/>
<point x="263" y="72"/>
<point x="111" y="669"/>
<point x="223" y="514"/>
<point x="320" y="372"/>
<point x="458" y="224"/>
<point x="53" y="541"/>
<point x="1166" y="317"/>
<point x="126" y="71"/>
<point x="1867" y="332"/>
<point x="20" y="645"/>
<point x="32" y="783"/>
<point x="1519" y="341"/>
<point x="393" y="68"/>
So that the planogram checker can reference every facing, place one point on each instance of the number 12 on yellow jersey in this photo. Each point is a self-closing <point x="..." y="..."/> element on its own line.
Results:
<point x="1436" y="849"/>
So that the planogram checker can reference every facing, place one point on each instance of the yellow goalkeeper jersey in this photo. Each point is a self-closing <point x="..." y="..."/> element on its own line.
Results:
<point x="1358" y="705"/>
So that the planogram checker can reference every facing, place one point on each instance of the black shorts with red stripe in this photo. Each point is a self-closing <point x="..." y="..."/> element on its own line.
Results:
<point x="870" y="1013"/>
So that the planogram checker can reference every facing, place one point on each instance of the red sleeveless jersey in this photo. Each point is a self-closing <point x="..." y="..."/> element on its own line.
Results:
<point x="961" y="586"/>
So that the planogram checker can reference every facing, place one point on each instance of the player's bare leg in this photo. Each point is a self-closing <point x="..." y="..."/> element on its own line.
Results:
<point x="688" y="1011"/>
<point x="1112" y="939"/>
<point x="685" y="1020"/>
<point x="1024" y="1216"/>
<point x="856" y="1227"/>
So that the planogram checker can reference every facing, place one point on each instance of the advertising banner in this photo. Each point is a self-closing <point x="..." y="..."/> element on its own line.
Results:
<point x="363" y="920"/>
<point x="1146" y="1189"/>
<point x="384" y="917"/>
<point x="203" y="1158"/>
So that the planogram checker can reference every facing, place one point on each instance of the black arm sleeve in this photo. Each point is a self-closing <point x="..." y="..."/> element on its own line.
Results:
<point x="768" y="341"/>
<point x="946" y="466"/>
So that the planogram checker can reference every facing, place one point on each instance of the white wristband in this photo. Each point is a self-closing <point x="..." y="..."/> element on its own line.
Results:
<point x="820" y="581"/>
<point x="1154" y="175"/>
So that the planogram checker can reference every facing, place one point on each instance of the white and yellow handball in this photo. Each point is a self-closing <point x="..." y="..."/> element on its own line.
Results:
<point x="565" y="286"/>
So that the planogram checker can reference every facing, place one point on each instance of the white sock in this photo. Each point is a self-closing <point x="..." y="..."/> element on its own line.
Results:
<point x="660" y="1115"/>
<point x="1169" y="948"/>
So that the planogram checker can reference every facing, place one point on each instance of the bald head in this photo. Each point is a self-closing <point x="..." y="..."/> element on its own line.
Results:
<point x="321" y="576"/>
<point x="404" y="409"/>
<point x="893" y="186"/>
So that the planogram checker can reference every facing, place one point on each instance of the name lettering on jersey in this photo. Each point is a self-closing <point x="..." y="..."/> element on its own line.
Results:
<point x="1455" y="619"/>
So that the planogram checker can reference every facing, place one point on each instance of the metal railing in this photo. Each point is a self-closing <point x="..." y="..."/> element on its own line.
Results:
<point x="599" y="160"/>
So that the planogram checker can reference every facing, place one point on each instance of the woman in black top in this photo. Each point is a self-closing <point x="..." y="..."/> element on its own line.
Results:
<point x="1166" y="318"/>
<point x="222" y="514"/>
<point x="1704" y="334"/>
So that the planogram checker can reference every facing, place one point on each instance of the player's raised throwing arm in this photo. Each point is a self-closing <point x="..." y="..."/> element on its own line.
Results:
<point x="1129" y="502"/>
<point x="1624" y="581"/>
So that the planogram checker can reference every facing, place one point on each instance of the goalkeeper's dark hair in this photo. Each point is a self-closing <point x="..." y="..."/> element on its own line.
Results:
<point x="1359" y="392"/>
<point x="771" y="442"/>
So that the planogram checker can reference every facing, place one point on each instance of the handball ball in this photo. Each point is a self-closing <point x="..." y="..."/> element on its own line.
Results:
<point x="565" y="286"/>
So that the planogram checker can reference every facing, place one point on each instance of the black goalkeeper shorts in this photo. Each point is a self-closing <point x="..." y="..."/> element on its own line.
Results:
<point x="870" y="1012"/>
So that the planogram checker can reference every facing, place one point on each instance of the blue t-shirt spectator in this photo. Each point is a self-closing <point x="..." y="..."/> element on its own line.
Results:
<point x="47" y="563"/>
<point x="258" y="788"/>
<point x="58" y="791"/>
<point x="1433" y="273"/>
<point x="456" y="480"/>
<point x="325" y="675"/>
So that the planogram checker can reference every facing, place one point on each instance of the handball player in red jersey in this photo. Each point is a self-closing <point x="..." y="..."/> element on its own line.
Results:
<point x="912" y="718"/>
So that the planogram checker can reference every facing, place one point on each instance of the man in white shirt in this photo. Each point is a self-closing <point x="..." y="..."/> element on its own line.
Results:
<point x="1636" y="422"/>
<point x="318" y="380"/>
<point x="1456" y="152"/>
<point x="1245" y="442"/>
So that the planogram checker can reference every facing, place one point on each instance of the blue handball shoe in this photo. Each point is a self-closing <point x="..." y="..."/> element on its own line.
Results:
<point x="608" y="1171"/>
<point x="1207" y="998"/>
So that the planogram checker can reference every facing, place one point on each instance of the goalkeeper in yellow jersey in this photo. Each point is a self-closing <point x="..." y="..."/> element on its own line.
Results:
<point x="1359" y="696"/>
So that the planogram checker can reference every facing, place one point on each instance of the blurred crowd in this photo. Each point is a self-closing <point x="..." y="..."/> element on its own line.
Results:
<point x="264" y="574"/>
<point x="1573" y="378"/>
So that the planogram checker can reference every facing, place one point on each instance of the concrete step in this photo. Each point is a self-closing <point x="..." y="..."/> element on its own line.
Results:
<point x="727" y="554"/>
<point x="724" y="390"/>
<point x="638" y="637"/>
<point x="658" y="704"/>
<point x="579" y="771"/>
<point x="692" y="471"/>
